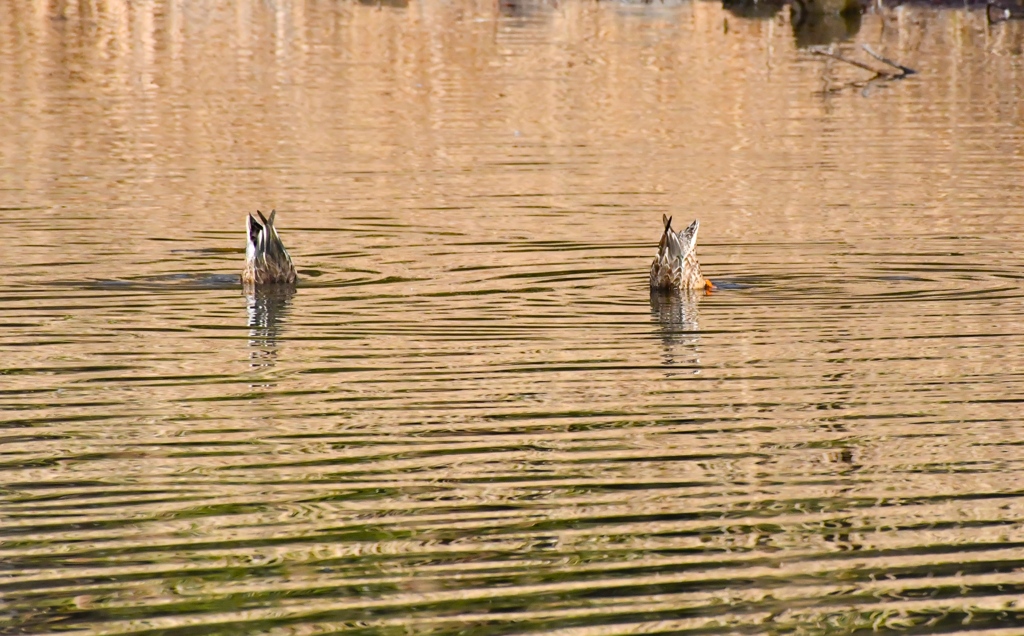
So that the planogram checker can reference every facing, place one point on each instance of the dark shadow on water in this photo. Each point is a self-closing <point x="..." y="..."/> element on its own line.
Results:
<point x="523" y="12"/>
<point x="267" y="309"/>
<point x="167" y="282"/>
<point x="392" y="4"/>
<point x="753" y="9"/>
<point x="677" y="315"/>
<point x="726" y="285"/>
<point x="813" y="26"/>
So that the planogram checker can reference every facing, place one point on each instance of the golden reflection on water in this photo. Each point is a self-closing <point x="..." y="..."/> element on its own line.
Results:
<point x="325" y="106"/>
<point x="471" y="412"/>
<point x="206" y="111"/>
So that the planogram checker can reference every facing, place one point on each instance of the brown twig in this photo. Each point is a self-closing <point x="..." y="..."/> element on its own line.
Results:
<point x="903" y="69"/>
<point x="879" y="77"/>
<point x="830" y="52"/>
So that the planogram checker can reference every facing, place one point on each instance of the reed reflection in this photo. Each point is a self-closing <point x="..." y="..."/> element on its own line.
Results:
<point x="267" y="308"/>
<point x="677" y="314"/>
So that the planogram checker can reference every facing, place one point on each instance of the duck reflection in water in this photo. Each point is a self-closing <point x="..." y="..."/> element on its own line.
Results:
<point x="267" y="308"/>
<point x="268" y="280"/>
<point x="677" y="313"/>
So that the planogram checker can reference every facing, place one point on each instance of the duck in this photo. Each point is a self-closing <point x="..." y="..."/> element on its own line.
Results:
<point x="676" y="267"/>
<point x="266" y="260"/>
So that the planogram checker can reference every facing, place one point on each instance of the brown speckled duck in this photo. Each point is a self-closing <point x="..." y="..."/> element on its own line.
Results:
<point x="266" y="260"/>
<point x="676" y="267"/>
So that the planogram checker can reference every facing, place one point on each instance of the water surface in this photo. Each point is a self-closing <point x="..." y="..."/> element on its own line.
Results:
<point x="471" y="415"/>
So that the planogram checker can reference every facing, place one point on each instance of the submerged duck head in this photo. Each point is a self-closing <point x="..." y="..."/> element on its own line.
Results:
<point x="266" y="260"/>
<point x="676" y="267"/>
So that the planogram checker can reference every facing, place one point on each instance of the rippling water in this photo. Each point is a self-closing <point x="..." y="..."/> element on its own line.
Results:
<point x="471" y="416"/>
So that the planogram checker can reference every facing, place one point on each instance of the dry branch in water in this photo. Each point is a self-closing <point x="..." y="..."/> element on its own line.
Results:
<point x="904" y="71"/>
<point x="879" y="75"/>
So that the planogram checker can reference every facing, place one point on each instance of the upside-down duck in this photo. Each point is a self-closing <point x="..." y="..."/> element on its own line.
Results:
<point x="676" y="267"/>
<point x="266" y="260"/>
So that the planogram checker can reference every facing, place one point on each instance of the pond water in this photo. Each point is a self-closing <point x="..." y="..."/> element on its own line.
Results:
<point x="471" y="416"/>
